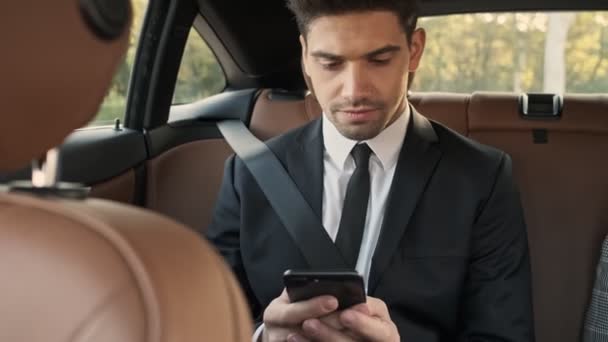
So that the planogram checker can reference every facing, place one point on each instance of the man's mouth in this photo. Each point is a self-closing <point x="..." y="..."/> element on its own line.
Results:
<point x="359" y="113"/>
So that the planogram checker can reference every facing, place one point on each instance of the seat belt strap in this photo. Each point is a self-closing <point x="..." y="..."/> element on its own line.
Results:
<point x="301" y="222"/>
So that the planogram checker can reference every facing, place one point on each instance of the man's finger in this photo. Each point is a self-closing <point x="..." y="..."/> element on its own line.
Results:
<point x="372" y="328"/>
<point x="284" y="297"/>
<point x="333" y="320"/>
<point x="377" y="308"/>
<point x="280" y="313"/>
<point x="295" y="337"/>
<point x="362" y="308"/>
<point x="319" y="331"/>
<point x="282" y="334"/>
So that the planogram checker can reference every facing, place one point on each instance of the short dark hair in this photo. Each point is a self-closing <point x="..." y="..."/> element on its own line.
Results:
<point x="308" y="10"/>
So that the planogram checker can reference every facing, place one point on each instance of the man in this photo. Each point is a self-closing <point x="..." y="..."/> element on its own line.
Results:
<point x="436" y="219"/>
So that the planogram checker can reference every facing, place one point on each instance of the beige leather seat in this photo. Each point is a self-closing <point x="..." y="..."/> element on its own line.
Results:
<point x="563" y="184"/>
<point x="90" y="270"/>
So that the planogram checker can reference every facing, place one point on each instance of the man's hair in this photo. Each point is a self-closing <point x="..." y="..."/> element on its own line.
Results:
<point x="308" y="10"/>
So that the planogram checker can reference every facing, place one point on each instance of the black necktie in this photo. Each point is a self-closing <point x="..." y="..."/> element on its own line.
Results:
<point x="352" y="222"/>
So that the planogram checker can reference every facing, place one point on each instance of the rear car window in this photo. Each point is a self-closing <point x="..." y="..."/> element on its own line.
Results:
<point x="555" y="52"/>
<point x="200" y="74"/>
<point x="114" y="104"/>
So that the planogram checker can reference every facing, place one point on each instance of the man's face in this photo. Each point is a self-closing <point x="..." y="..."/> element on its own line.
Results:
<point x="358" y="64"/>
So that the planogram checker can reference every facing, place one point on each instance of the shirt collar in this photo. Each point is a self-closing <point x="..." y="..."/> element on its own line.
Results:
<point x="386" y="145"/>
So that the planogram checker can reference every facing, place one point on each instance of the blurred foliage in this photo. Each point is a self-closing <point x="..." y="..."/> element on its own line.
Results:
<point x="199" y="76"/>
<point x="114" y="104"/>
<point x="505" y="52"/>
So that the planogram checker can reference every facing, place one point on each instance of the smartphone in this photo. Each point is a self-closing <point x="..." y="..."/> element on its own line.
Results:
<point x="346" y="286"/>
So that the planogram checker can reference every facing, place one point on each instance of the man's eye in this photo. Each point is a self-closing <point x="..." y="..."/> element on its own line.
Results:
<point x="378" y="61"/>
<point x="330" y="65"/>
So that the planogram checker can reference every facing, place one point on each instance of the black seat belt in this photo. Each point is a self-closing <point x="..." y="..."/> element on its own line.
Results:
<point x="285" y="198"/>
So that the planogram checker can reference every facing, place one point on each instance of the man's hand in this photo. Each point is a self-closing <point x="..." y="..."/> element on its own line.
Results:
<point x="283" y="320"/>
<point x="365" y="322"/>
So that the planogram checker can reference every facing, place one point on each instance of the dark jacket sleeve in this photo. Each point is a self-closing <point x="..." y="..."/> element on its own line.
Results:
<point x="497" y="303"/>
<point x="225" y="230"/>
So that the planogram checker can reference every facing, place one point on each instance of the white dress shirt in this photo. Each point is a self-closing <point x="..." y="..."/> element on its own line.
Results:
<point x="339" y="165"/>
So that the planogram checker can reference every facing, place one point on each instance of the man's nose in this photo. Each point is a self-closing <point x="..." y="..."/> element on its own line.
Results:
<point x="355" y="82"/>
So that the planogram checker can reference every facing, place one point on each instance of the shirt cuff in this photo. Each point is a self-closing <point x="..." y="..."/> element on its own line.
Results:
<point x="257" y="335"/>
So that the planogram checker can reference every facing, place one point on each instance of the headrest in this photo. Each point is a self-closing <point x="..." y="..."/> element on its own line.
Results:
<point x="273" y="115"/>
<point x="501" y="111"/>
<point x="59" y="60"/>
<point x="447" y="108"/>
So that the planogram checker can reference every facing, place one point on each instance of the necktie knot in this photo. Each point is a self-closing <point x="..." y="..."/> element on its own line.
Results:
<point x="361" y="154"/>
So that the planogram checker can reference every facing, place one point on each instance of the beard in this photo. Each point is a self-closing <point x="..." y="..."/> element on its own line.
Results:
<point x="362" y="130"/>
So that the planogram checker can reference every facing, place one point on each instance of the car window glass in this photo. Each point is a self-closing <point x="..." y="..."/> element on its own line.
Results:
<point x="517" y="52"/>
<point x="200" y="74"/>
<point x="115" y="103"/>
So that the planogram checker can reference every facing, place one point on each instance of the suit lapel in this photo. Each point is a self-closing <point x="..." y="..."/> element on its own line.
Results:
<point x="305" y="165"/>
<point x="417" y="160"/>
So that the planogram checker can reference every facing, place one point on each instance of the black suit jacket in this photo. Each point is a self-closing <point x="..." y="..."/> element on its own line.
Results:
<point x="452" y="261"/>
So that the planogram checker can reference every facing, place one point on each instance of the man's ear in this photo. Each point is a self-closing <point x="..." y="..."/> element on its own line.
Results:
<point x="417" y="48"/>
<point x="304" y="54"/>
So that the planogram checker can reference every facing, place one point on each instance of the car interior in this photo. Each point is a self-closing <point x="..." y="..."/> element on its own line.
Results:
<point x="168" y="159"/>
